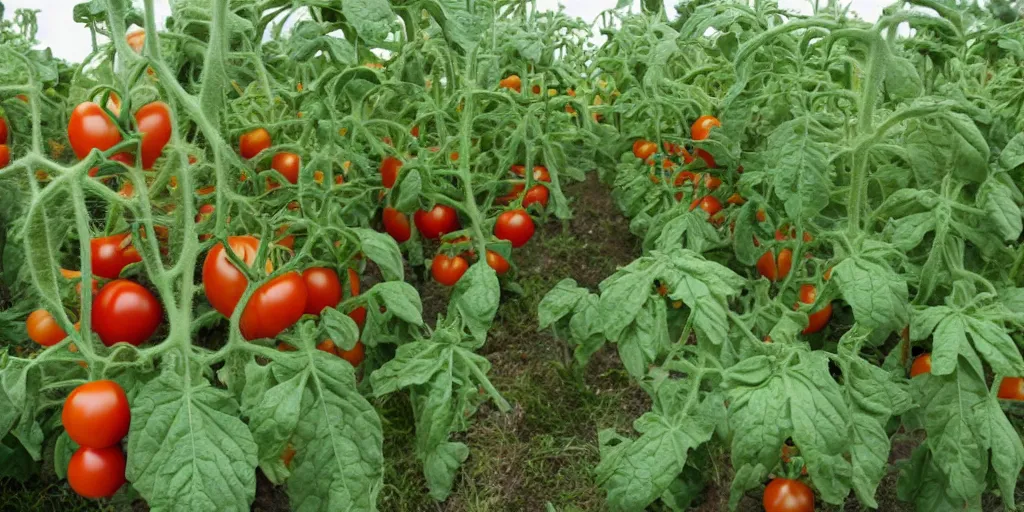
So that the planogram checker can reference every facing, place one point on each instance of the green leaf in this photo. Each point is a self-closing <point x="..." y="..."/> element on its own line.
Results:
<point x="705" y="287"/>
<point x="1007" y="450"/>
<point x="400" y="299"/>
<point x="622" y="297"/>
<point x="799" y="166"/>
<point x="950" y="142"/>
<point x="409" y="191"/>
<point x="63" y="449"/>
<point x="561" y="301"/>
<point x="341" y="329"/>
<point x="273" y="419"/>
<point x="1005" y="214"/>
<point x="475" y="298"/>
<point x="1013" y="154"/>
<point x="901" y="79"/>
<point x="878" y="296"/>
<point x="414" y="363"/>
<point x="382" y="250"/>
<point x="372" y="19"/>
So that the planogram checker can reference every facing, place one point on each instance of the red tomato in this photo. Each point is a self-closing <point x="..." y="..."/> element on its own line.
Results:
<point x="709" y="204"/>
<point x="712" y="182"/>
<point x="124" y="311"/>
<point x="154" y="122"/>
<point x="43" y="328"/>
<point x="540" y="173"/>
<point x="358" y="314"/>
<point x="224" y="284"/>
<point x="354" y="356"/>
<point x="516" y="226"/>
<point x="439" y="221"/>
<point x="536" y="194"/>
<point x="136" y="40"/>
<point x="511" y="82"/>
<point x="389" y="168"/>
<point x="775" y="270"/>
<point x="497" y="262"/>
<point x="818" y="319"/>
<point x="274" y="307"/>
<point x="327" y="346"/>
<point x="97" y="472"/>
<point x="683" y="177"/>
<point x="784" y="495"/>
<point x="396" y="224"/>
<point x="111" y="254"/>
<point x="708" y="159"/>
<point x="5" y="155"/>
<point x="288" y="165"/>
<point x="252" y="142"/>
<point x="3" y="130"/>
<point x="701" y="128"/>
<point x="513" y="194"/>
<point x="323" y="289"/>
<point x="923" y="364"/>
<point x="90" y="128"/>
<point x="96" y="414"/>
<point x="736" y="199"/>
<point x="1012" y="388"/>
<point x="447" y="270"/>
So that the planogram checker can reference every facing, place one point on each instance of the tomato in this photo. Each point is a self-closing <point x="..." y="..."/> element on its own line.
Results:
<point x="535" y="89"/>
<point x="124" y="311"/>
<point x="540" y="173"/>
<point x="274" y="307"/>
<point x="252" y="142"/>
<point x="3" y="130"/>
<point x="516" y="226"/>
<point x="818" y="319"/>
<point x="447" y="270"/>
<point x="358" y="314"/>
<point x="775" y="269"/>
<point x="354" y="356"/>
<point x="736" y="199"/>
<point x="111" y="254"/>
<point x="709" y="204"/>
<point x="701" y="128"/>
<point x="5" y="155"/>
<point x="536" y="194"/>
<point x="224" y="284"/>
<point x="415" y="131"/>
<point x="90" y="128"/>
<point x="1012" y="388"/>
<point x="497" y="262"/>
<point x="97" y="472"/>
<point x="511" y="82"/>
<point x="389" y="168"/>
<point x="288" y="165"/>
<point x="712" y="182"/>
<point x="708" y="159"/>
<point x="323" y="289"/>
<point x="136" y="40"/>
<point x="396" y="224"/>
<point x="43" y="328"/>
<point x="923" y="364"/>
<point x="327" y="346"/>
<point x="784" y="495"/>
<point x="96" y="414"/>
<point x="644" y="149"/>
<point x="154" y="122"/>
<point x="439" y="221"/>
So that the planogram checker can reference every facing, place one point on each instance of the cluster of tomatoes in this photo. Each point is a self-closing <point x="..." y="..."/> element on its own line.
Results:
<point x="96" y="416"/>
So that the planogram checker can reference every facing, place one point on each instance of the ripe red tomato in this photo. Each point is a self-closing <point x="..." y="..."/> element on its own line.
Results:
<point x="323" y="289"/>
<point x="111" y="254"/>
<point x="708" y="159"/>
<point x="396" y="224"/>
<point x="3" y="130"/>
<point x="415" y="131"/>
<point x="439" y="221"/>
<point x="1012" y="388"/>
<point x="124" y="311"/>
<point x="274" y="307"/>
<point x="136" y="40"/>
<point x="516" y="226"/>
<point x="536" y="194"/>
<point x="701" y="128"/>
<point x="288" y="165"/>
<point x="97" y="472"/>
<point x="513" y="194"/>
<point x="252" y="142"/>
<point x="5" y="155"/>
<point x="96" y="414"/>
<point x="709" y="204"/>
<point x="644" y="149"/>
<point x="447" y="270"/>
<point x="389" y="169"/>
<point x="357" y="314"/>
<point x="43" y="328"/>
<point x="511" y="82"/>
<point x="497" y="262"/>
<point x="354" y="356"/>
<point x="923" y="364"/>
<point x="775" y="270"/>
<point x="90" y="128"/>
<point x="540" y="173"/>
<point x="224" y="284"/>
<point x="154" y="122"/>
<point x="818" y="319"/>
<point x="784" y="495"/>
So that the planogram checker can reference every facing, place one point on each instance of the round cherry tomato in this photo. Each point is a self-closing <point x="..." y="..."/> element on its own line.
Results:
<point x="784" y="495"/>
<point x="5" y="155"/>
<point x="111" y="254"/>
<point x="154" y="122"/>
<point x="354" y="356"/>
<point x="396" y="224"/>
<point x="516" y="226"/>
<point x="43" y="328"/>
<point x="389" y="169"/>
<point x="136" y="40"/>
<point x="124" y="311"/>
<point x="511" y="82"/>
<point x="1012" y="388"/>
<point x="96" y="414"/>
<point x="323" y="289"/>
<point x="252" y="142"/>
<point x="288" y="165"/>
<point x="923" y="364"/>
<point x="224" y="284"/>
<point x="447" y="270"/>
<point x="90" y="128"/>
<point x="357" y="314"/>
<point x="536" y="194"/>
<point x="775" y="270"/>
<point x="701" y="128"/>
<point x="644" y="149"/>
<point x="709" y="204"/>
<point x="274" y="307"/>
<point x="97" y="472"/>
<point x="818" y="319"/>
<point x="497" y="262"/>
<point x="439" y="221"/>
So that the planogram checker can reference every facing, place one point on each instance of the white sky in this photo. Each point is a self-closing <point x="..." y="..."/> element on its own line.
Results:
<point x="70" y="40"/>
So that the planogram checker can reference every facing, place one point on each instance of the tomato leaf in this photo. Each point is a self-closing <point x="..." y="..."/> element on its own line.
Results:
<point x="1007" y="450"/>
<point x="799" y="166"/>
<point x="475" y="300"/>
<point x="341" y="329"/>
<point x="877" y="295"/>
<point x="901" y="79"/>
<point x="382" y="250"/>
<point x="409" y="190"/>
<point x="400" y="299"/>
<point x="949" y="143"/>
<point x="950" y="327"/>
<point x="63" y="449"/>
<point x="704" y="286"/>
<point x="1005" y="214"/>
<point x="372" y="19"/>
<point x="19" y="388"/>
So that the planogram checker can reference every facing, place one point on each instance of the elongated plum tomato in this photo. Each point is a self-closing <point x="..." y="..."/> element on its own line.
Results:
<point x="125" y="311"/>
<point x="497" y="262"/>
<point x="252" y="142"/>
<point x="818" y="319"/>
<point x="5" y="155"/>
<point x="154" y="122"/>
<point x="354" y="356"/>
<point x="288" y="165"/>
<point x="96" y="472"/>
<point x="90" y="128"/>
<point x="396" y="224"/>
<point x="96" y="414"/>
<point x="274" y="307"/>
<point x="224" y="284"/>
<point x="516" y="226"/>
<point x="536" y="194"/>
<point x="644" y="149"/>
<point x="111" y="254"/>
<point x="136" y="40"/>
<point x="784" y="495"/>
<point x="775" y="269"/>
<point x="709" y="204"/>
<point x="511" y="82"/>
<point x="323" y="289"/>
<point x="922" y="364"/>
<point x="357" y="314"/>
<point x="1012" y="388"/>
<point x="43" y="328"/>
<point x="389" y="168"/>
<point x="439" y="221"/>
<point x="447" y="270"/>
<point x="701" y="128"/>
